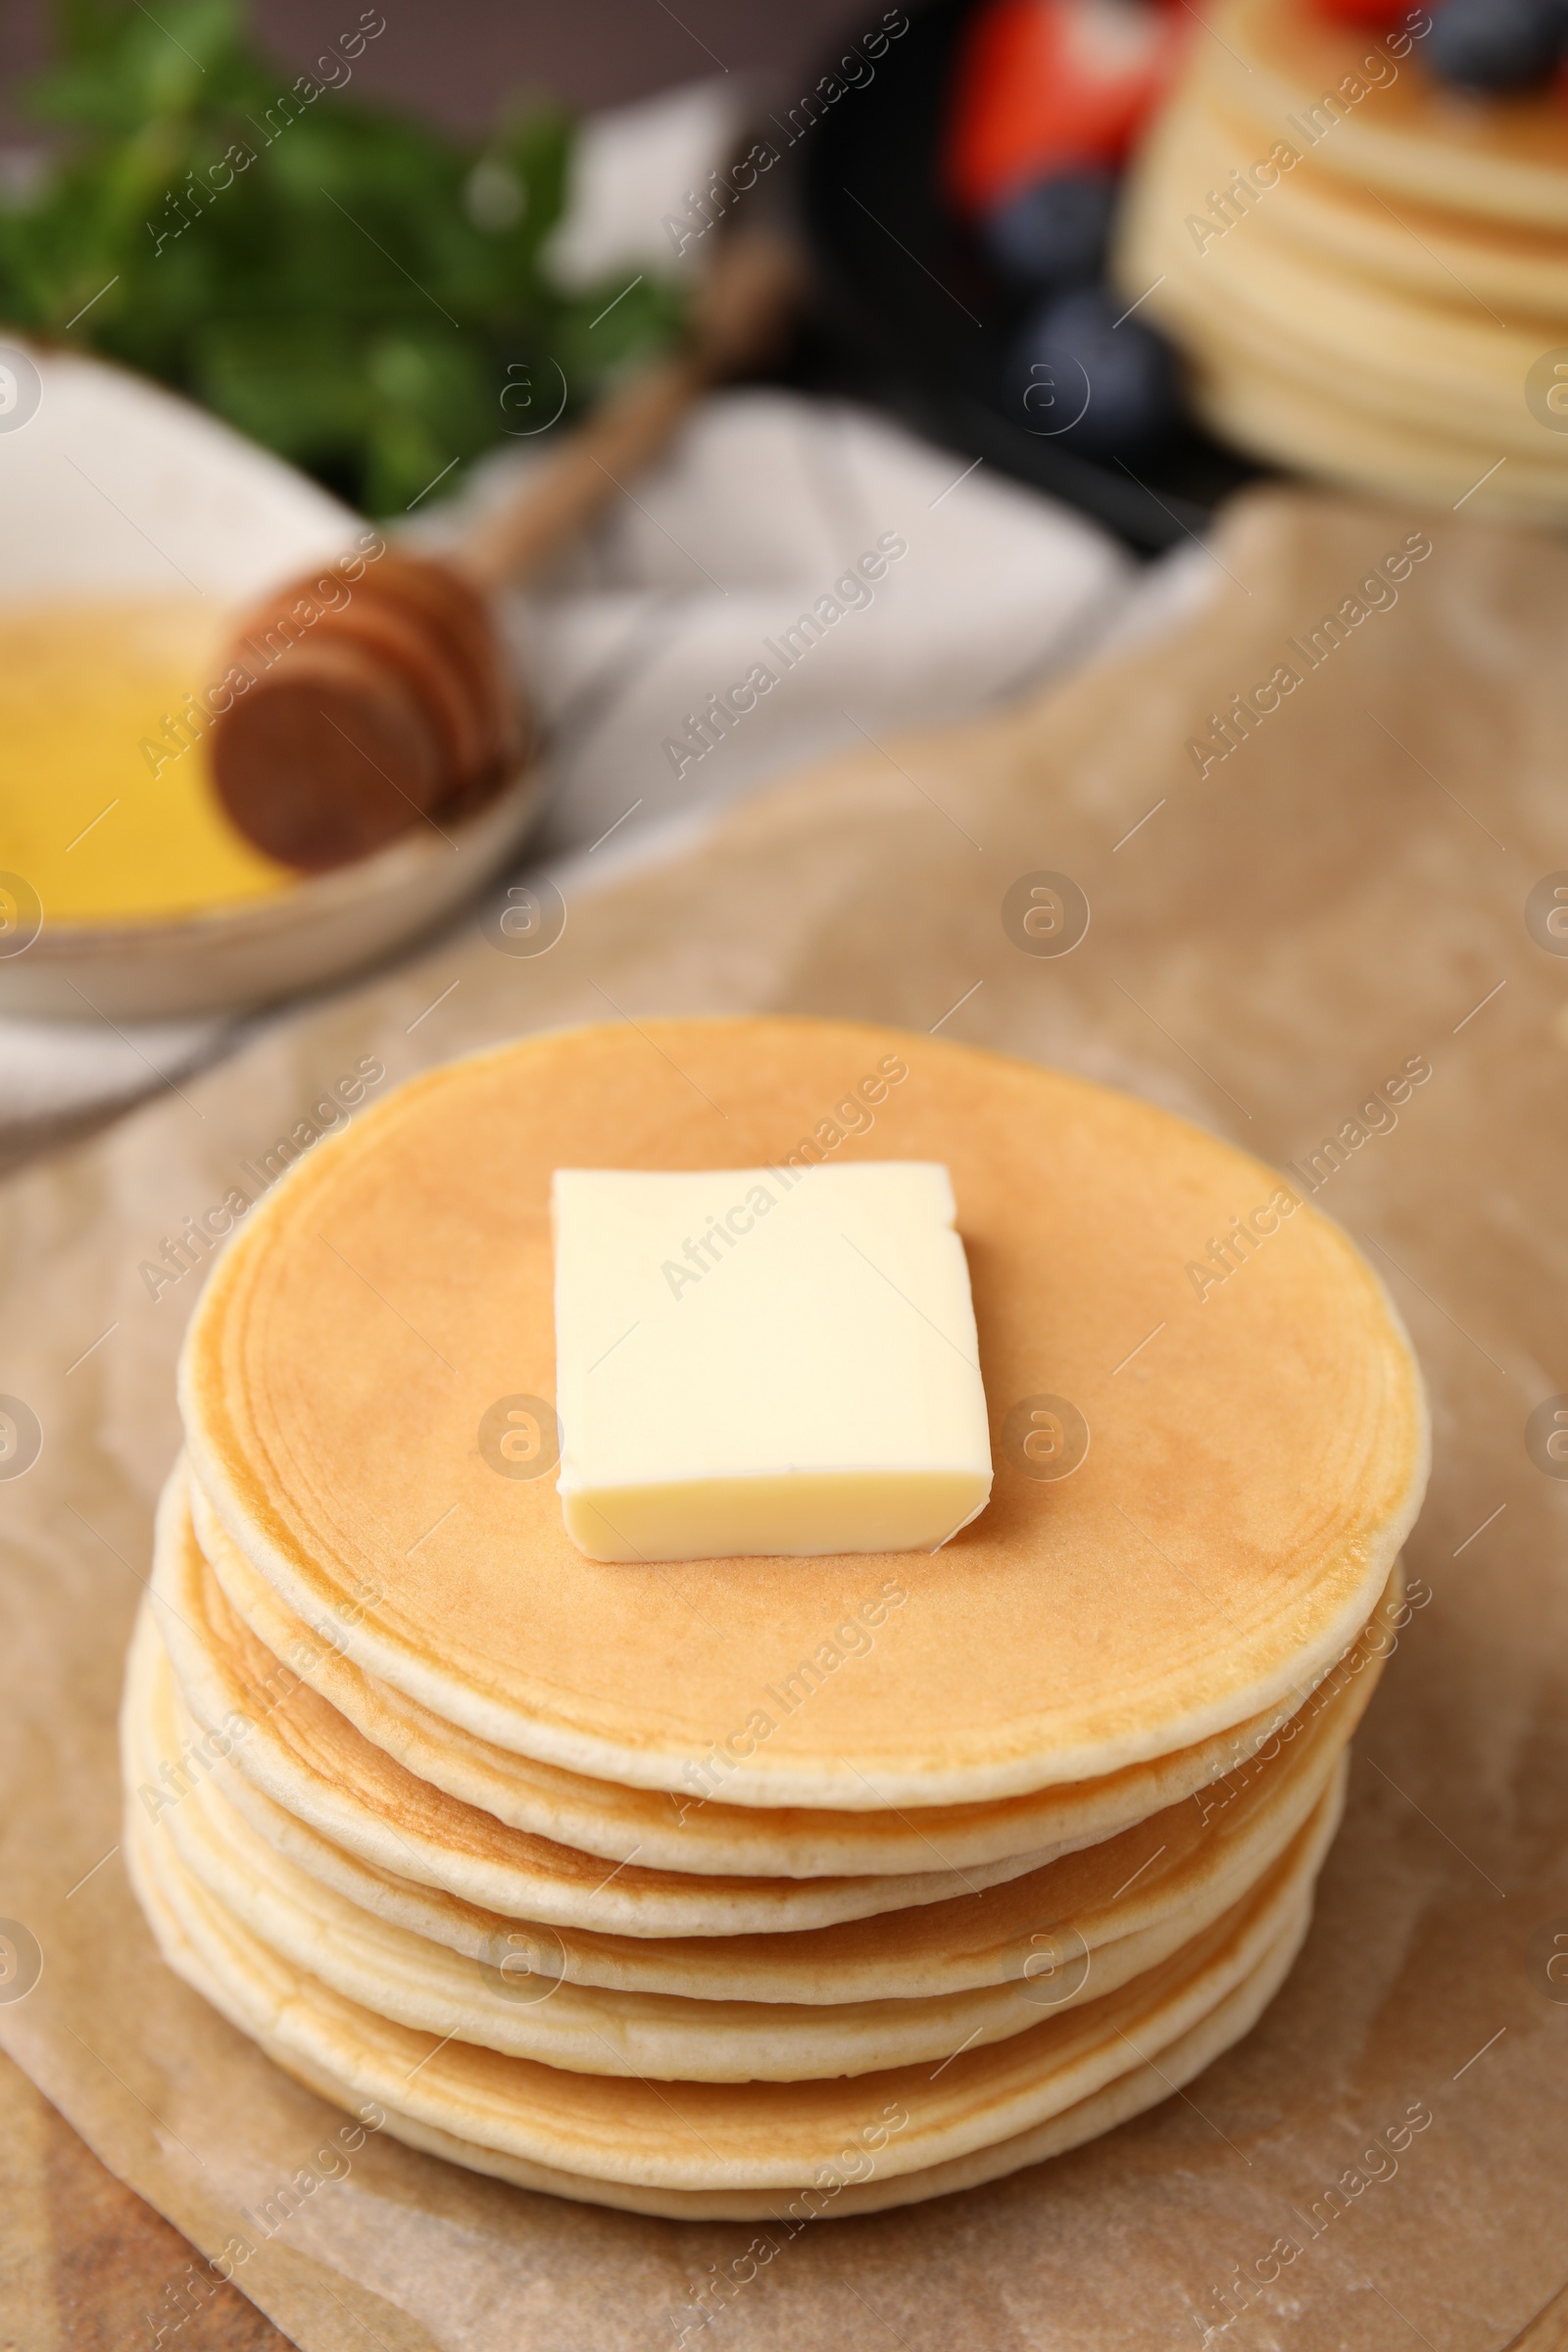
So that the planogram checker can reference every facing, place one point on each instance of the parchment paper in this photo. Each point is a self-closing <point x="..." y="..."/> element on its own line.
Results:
<point x="1342" y="896"/>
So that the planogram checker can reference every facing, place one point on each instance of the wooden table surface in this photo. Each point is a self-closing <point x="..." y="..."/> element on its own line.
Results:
<point x="83" y="2262"/>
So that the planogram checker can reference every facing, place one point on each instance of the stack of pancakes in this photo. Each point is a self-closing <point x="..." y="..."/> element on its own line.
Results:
<point x="1385" y="308"/>
<point x="762" y="1887"/>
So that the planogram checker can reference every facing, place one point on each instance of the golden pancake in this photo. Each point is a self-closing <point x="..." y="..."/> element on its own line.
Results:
<point x="1207" y="1848"/>
<point x="847" y="2191"/>
<point x="1251" y="390"/>
<point x="1364" y="272"/>
<point x="1443" y="366"/>
<point x="843" y="2193"/>
<point x="1504" y="159"/>
<point x="315" y="1767"/>
<point x="709" y="2136"/>
<point x="1055" y="1938"/>
<point x="1248" y="1485"/>
<point x="1268" y="412"/>
<point x="1460" y="258"/>
<point x="1261" y="399"/>
<point x="671" y="1832"/>
<point x="668" y="2038"/>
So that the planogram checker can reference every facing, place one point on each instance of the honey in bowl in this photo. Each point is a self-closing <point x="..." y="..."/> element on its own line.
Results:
<point x="107" y="806"/>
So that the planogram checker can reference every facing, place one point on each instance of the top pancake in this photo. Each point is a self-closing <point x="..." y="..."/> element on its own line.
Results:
<point x="1398" y="128"/>
<point x="1250" y="1473"/>
<point x="1363" y="267"/>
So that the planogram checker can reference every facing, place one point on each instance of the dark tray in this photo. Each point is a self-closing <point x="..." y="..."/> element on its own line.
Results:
<point x="909" y="317"/>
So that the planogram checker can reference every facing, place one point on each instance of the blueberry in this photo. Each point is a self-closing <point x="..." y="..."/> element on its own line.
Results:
<point x="1106" y="388"/>
<point x="1053" y="232"/>
<point x="1496" y="45"/>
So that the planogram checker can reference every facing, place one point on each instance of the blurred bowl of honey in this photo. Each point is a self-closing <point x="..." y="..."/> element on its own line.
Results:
<point x="138" y="527"/>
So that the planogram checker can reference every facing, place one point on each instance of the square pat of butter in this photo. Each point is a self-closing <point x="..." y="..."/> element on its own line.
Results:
<point x="765" y="1360"/>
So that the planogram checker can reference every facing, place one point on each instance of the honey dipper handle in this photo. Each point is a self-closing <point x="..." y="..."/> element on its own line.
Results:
<point x="739" y="311"/>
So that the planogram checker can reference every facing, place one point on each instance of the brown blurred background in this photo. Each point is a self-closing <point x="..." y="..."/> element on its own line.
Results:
<point x="454" y="59"/>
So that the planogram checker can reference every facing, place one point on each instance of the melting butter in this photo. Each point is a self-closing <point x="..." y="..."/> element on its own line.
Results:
<point x="107" y="806"/>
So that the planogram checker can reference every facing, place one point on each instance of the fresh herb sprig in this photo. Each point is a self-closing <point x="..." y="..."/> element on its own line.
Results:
<point x="356" y="288"/>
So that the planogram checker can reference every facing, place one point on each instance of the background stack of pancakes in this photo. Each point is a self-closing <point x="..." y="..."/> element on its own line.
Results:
<point x="1367" y="272"/>
<point x="765" y="1886"/>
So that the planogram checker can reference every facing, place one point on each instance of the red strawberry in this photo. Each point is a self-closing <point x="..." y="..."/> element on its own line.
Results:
<point x="1044" y="87"/>
<point x="1378" y="16"/>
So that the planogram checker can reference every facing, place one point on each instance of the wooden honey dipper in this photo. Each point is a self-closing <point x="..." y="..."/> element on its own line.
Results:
<point x="364" y="715"/>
